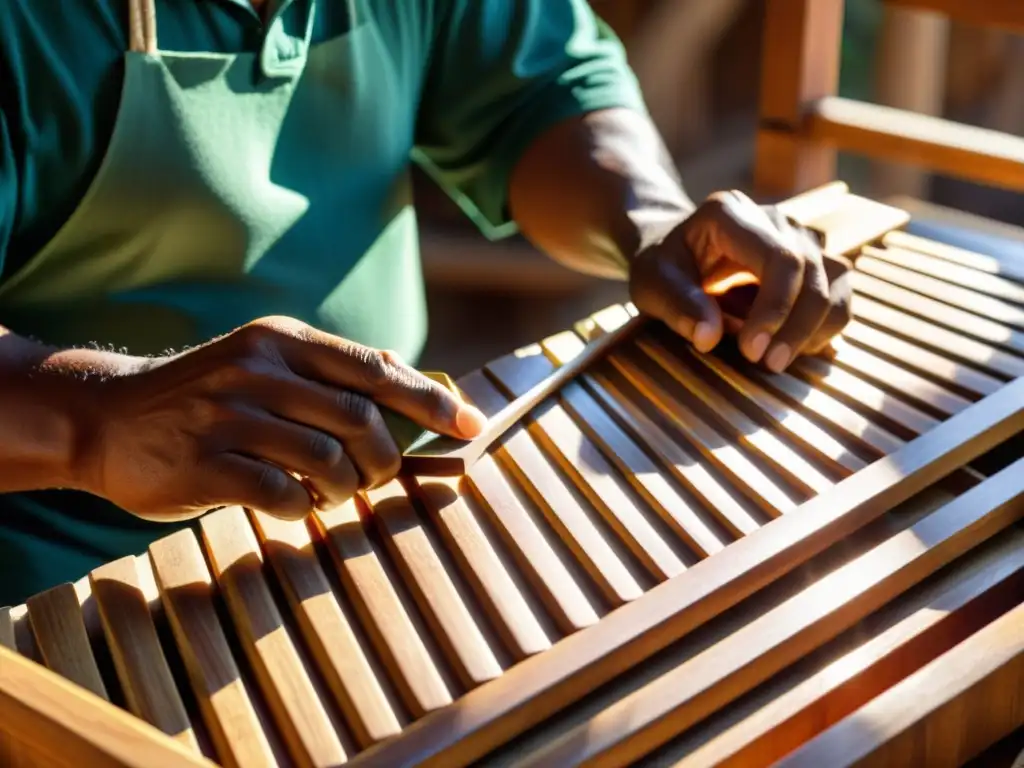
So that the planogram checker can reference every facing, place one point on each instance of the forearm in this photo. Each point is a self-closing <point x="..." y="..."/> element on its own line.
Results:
<point x="45" y="411"/>
<point x="593" y="191"/>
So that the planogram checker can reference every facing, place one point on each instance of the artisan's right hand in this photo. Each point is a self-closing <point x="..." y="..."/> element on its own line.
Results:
<point x="236" y="420"/>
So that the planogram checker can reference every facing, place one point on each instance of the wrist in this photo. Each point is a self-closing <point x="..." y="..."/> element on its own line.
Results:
<point x="64" y="410"/>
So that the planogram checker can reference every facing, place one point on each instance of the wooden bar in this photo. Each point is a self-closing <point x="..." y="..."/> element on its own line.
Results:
<point x="592" y="470"/>
<point x="45" y="720"/>
<point x="715" y="495"/>
<point x="941" y="145"/>
<point x="142" y="669"/>
<point x="642" y="721"/>
<point x="793" y="708"/>
<point x="451" y="623"/>
<point x="800" y="64"/>
<point x="186" y="589"/>
<point x="59" y="629"/>
<point x="942" y="715"/>
<point x="447" y="502"/>
<point x="539" y="686"/>
<point x="237" y="562"/>
<point x="381" y="611"/>
<point x="1002" y="278"/>
<point x="1007" y="14"/>
<point x="327" y="629"/>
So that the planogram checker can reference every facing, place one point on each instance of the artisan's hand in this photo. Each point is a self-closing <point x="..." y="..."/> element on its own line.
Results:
<point x="234" y="421"/>
<point x="803" y="299"/>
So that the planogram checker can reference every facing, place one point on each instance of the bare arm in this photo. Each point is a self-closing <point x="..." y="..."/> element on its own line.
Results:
<point x="599" y="194"/>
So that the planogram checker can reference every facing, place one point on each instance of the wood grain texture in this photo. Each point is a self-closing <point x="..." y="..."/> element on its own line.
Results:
<point x="879" y="264"/>
<point x="445" y="500"/>
<point x="956" y="345"/>
<point x="45" y="720"/>
<point x="187" y="593"/>
<point x="999" y="277"/>
<point x="381" y="612"/>
<point x="579" y="664"/>
<point x="450" y="620"/>
<point x="566" y="513"/>
<point x="716" y="495"/>
<point x="942" y="715"/>
<point x="237" y="563"/>
<point x="944" y="146"/>
<point x="142" y="670"/>
<point x="591" y="468"/>
<point x="950" y="372"/>
<point x="646" y="719"/>
<point x="327" y="629"/>
<point x="787" y="714"/>
<point x="59" y="629"/>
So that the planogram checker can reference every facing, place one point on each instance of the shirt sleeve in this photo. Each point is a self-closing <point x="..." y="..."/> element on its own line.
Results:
<point x="501" y="73"/>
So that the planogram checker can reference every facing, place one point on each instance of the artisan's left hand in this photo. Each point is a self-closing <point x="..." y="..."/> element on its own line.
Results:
<point x="803" y="298"/>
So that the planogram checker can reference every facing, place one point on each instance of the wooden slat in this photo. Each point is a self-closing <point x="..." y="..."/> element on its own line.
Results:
<point x="942" y="715"/>
<point x="939" y="313"/>
<point x="855" y="222"/>
<point x="797" y="470"/>
<point x="646" y="476"/>
<point x="1008" y="14"/>
<point x="327" y="630"/>
<point x="874" y="262"/>
<point x="438" y="455"/>
<point x="947" y="342"/>
<point x="569" y="607"/>
<point x="811" y="437"/>
<point x="445" y="500"/>
<point x="727" y="458"/>
<point x="591" y="469"/>
<point x="898" y="379"/>
<point x="647" y="718"/>
<point x="782" y="717"/>
<point x="864" y="432"/>
<point x="923" y="361"/>
<point x="451" y="623"/>
<point x="237" y="563"/>
<point x="535" y="688"/>
<point x="381" y="612"/>
<point x="885" y="133"/>
<point x="186" y="590"/>
<point x="45" y="720"/>
<point x="563" y="511"/>
<point x="149" y="689"/>
<point x="59" y="629"/>
<point x="996" y="277"/>
<point x="911" y="421"/>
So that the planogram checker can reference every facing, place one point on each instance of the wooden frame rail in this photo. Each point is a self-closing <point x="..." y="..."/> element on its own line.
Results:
<point x="45" y="720"/>
<point x="1007" y="14"/>
<point x="803" y="123"/>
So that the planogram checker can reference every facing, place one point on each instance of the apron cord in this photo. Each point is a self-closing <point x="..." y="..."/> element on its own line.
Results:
<point x="142" y="25"/>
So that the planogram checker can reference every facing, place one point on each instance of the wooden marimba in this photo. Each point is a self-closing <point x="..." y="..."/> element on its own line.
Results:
<point x="679" y="559"/>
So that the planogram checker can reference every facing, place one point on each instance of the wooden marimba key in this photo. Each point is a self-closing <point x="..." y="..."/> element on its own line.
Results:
<point x="678" y="558"/>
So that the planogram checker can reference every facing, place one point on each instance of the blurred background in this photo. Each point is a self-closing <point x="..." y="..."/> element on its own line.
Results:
<point x="698" y="63"/>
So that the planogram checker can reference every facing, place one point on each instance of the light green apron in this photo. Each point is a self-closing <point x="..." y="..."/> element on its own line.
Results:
<point x="223" y="197"/>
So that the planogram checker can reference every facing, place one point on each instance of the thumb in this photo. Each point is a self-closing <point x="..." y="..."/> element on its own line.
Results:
<point x="670" y="290"/>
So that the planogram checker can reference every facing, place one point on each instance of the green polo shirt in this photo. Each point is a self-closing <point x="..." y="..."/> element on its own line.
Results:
<point x="470" y="83"/>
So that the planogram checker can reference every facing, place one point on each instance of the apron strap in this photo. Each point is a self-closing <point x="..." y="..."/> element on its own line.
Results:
<point x="142" y="25"/>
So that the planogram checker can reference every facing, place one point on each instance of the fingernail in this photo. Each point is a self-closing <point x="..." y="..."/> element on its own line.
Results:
<point x="757" y="346"/>
<point x="470" y="421"/>
<point x="704" y="337"/>
<point x="778" y="358"/>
